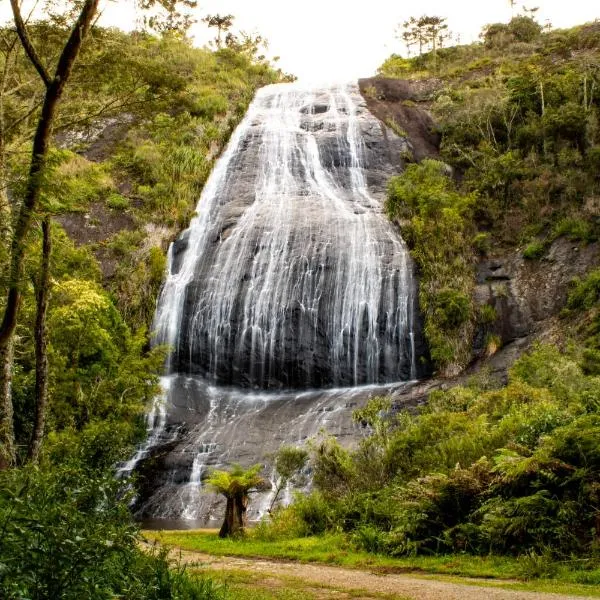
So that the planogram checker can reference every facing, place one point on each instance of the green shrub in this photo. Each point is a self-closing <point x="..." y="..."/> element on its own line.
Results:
<point x="395" y="66"/>
<point x="534" y="565"/>
<point x="157" y="262"/>
<point x="436" y="224"/>
<point x="66" y="535"/>
<point x="210" y="105"/>
<point x="487" y="314"/>
<point x="576" y="229"/>
<point x="481" y="243"/>
<point x="396" y="128"/>
<point x="315" y="513"/>
<point x="593" y="160"/>
<point x="510" y="470"/>
<point x="286" y="523"/>
<point x="370" y="538"/>
<point x="534" y="250"/>
<point x="497" y="35"/>
<point x="74" y="182"/>
<point x="524" y="29"/>
<point x="451" y="308"/>
<point x="117" y="202"/>
<point x="585" y="293"/>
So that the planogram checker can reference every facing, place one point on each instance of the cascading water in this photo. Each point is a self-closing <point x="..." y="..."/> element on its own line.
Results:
<point x="290" y="278"/>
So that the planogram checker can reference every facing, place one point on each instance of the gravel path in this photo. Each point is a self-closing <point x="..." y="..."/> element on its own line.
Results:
<point x="387" y="586"/>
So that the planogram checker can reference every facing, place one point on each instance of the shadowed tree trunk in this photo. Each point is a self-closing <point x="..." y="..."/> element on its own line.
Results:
<point x="235" y="515"/>
<point x="54" y="90"/>
<point x="7" y="445"/>
<point x="41" y="346"/>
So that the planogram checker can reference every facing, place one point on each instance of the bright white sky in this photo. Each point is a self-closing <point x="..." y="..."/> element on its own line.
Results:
<point x="327" y="40"/>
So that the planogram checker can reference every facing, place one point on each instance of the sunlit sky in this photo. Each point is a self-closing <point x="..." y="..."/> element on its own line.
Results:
<point x="345" y="39"/>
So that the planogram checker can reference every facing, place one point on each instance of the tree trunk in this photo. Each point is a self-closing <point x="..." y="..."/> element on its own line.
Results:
<point x="280" y="485"/>
<point x="7" y="438"/>
<point x="235" y="515"/>
<point x="41" y="346"/>
<point x="5" y="212"/>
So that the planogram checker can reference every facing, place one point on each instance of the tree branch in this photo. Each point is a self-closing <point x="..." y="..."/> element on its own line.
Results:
<point x="71" y="48"/>
<point x="38" y="158"/>
<point x="27" y="45"/>
<point x="23" y="117"/>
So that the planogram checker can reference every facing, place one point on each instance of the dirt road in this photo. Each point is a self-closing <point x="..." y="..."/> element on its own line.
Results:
<point x="338" y="582"/>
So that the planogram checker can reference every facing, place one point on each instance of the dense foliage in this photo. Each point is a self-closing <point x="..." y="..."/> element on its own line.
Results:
<point x="510" y="470"/>
<point x="164" y="111"/>
<point x="518" y="117"/>
<point x="66" y="535"/>
<point x="482" y="467"/>
<point x="436" y="222"/>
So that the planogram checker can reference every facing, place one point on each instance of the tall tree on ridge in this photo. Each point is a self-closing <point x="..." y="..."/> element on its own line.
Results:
<point x="436" y="32"/>
<point x="223" y="23"/>
<point x="428" y="32"/>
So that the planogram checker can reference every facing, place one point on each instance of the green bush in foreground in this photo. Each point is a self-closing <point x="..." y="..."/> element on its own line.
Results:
<point x="66" y="535"/>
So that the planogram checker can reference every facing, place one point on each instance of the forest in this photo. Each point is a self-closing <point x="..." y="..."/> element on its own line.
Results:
<point x="482" y="469"/>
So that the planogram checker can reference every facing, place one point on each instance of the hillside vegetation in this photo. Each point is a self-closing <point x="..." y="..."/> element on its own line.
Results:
<point x="140" y="129"/>
<point x="518" y="119"/>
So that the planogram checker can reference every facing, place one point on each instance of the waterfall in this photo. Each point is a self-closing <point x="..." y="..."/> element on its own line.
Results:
<point x="289" y="278"/>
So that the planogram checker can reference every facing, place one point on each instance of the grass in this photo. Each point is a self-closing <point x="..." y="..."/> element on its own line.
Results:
<point x="335" y="549"/>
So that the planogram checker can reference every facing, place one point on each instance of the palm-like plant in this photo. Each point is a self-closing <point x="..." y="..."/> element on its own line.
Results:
<point x="236" y="485"/>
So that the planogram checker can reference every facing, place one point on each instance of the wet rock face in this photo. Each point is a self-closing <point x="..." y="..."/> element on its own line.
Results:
<point x="210" y="427"/>
<point x="292" y="276"/>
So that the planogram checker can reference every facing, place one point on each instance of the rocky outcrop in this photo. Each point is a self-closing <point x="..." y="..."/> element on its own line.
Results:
<point x="290" y="278"/>
<point x="210" y="427"/>
<point x="402" y="105"/>
<point x="527" y="295"/>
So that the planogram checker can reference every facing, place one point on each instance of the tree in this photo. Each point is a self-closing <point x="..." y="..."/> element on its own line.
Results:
<point x="236" y="486"/>
<point x="426" y="32"/>
<point x="248" y="44"/>
<point x="54" y="86"/>
<point x="436" y="32"/>
<point x="412" y="33"/>
<point x="41" y="345"/>
<point x="289" y="461"/>
<point x="174" y="20"/>
<point x="524" y="28"/>
<point x="223" y="23"/>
